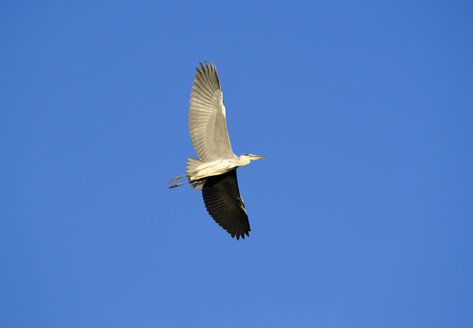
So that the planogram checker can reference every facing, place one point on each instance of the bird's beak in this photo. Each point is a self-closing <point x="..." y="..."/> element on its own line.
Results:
<point x="260" y="156"/>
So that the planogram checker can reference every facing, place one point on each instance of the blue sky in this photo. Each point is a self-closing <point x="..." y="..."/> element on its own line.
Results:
<point x="361" y="214"/>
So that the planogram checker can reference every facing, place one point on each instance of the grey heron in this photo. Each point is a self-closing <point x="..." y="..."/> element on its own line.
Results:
<point x="215" y="170"/>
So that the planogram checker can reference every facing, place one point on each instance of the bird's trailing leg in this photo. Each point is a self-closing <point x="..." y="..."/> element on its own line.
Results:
<point x="177" y="184"/>
<point x="176" y="178"/>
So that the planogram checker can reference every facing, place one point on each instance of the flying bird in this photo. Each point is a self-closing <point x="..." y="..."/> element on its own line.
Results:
<point x="215" y="169"/>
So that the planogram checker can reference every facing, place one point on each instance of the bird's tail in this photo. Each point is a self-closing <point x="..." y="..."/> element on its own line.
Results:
<point x="191" y="168"/>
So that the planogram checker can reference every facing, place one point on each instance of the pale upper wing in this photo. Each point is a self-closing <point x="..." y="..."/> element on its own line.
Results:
<point x="208" y="127"/>
<point x="223" y="202"/>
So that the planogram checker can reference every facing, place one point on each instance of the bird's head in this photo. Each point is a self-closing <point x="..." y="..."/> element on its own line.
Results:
<point x="251" y="157"/>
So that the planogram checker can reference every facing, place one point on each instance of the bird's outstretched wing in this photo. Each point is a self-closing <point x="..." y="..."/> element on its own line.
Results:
<point x="223" y="202"/>
<point x="208" y="127"/>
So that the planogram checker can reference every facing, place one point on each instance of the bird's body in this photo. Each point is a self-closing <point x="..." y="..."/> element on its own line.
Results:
<point x="215" y="170"/>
